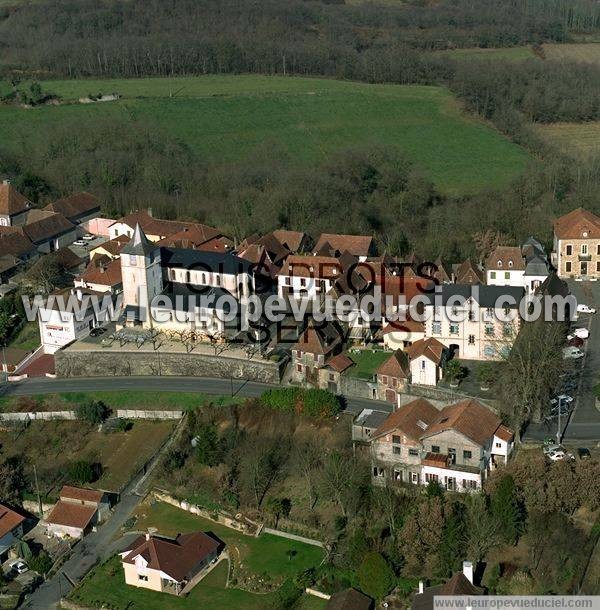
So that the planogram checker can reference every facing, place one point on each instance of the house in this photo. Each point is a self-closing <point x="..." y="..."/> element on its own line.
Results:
<point x="393" y="376"/>
<point x="198" y="237"/>
<point x="400" y="334"/>
<point x="461" y="584"/>
<point x="315" y="348"/>
<point x="463" y="445"/>
<point x="102" y="274"/>
<point x="329" y="376"/>
<point x="526" y="266"/>
<point x="350" y="599"/>
<point x="49" y="231"/>
<point x="76" y="512"/>
<point x="11" y="529"/>
<point x="13" y="206"/>
<point x="295" y="241"/>
<point x="427" y="358"/>
<point x="576" y="250"/>
<point x="111" y="248"/>
<point x="78" y="207"/>
<point x="474" y="322"/>
<point x="468" y="273"/>
<point x="366" y="423"/>
<point x="332" y="244"/>
<point x="14" y="242"/>
<point x="168" y="564"/>
<point x="457" y="446"/>
<point x="396" y="444"/>
<point x="69" y="314"/>
<point x="9" y="267"/>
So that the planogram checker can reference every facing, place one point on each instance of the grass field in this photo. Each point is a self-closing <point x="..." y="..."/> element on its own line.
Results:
<point x="28" y="338"/>
<point x="584" y="52"/>
<point x="266" y="554"/>
<point x="225" y="118"/>
<point x="367" y="362"/>
<point x="53" y="446"/>
<point x="572" y="138"/>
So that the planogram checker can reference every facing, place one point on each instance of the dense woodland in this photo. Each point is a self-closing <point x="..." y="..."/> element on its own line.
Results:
<point x="131" y="165"/>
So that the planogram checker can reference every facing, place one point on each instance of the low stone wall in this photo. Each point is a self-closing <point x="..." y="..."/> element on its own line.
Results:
<point x="282" y="534"/>
<point x="444" y="395"/>
<point x="44" y="415"/>
<point x="355" y="387"/>
<point x="80" y="363"/>
<point x="149" y="414"/>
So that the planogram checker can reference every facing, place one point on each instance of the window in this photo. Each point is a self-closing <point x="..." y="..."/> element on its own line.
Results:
<point x="302" y="281"/>
<point x="489" y="330"/>
<point x="499" y="264"/>
<point x="454" y="329"/>
<point x="568" y="267"/>
<point x="507" y="329"/>
<point x="384" y="379"/>
<point x="397" y="475"/>
<point x="493" y="275"/>
<point x="471" y="315"/>
<point x="429" y="478"/>
<point x="397" y="450"/>
<point x="467" y="455"/>
<point x="413" y="452"/>
<point x="331" y="377"/>
<point x="396" y="439"/>
<point x="507" y="275"/>
<point x="510" y="263"/>
<point x="422" y="365"/>
<point x="435" y="449"/>
<point x="394" y="382"/>
<point x="414" y="478"/>
<point x="143" y="577"/>
<point x="489" y="351"/>
<point x="436" y="328"/>
<point x="598" y="249"/>
<point x="471" y="339"/>
<point x="498" y="445"/>
<point x="598" y="266"/>
<point x="378" y="472"/>
<point x="132" y="259"/>
<point x="468" y="484"/>
<point x="299" y="368"/>
<point x="569" y="250"/>
<point x="584" y="249"/>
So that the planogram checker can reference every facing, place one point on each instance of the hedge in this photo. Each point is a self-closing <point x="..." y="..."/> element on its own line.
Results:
<point x="315" y="403"/>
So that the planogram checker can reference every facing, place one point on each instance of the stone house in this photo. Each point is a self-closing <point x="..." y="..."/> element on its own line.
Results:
<point x="11" y="529"/>
<point x="393" y="376"/>
<point x="13" y="206"/>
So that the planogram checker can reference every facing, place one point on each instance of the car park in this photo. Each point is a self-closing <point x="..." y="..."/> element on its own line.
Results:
<point x="580" y="333"/>
<point x="583" y="308"/>
<point x="573" y="353"/>
<point x="584" y="453"/>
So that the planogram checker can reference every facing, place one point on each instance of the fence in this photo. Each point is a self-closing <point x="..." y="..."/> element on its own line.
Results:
<point x="148" y="414"/>
<point x="38" y="415"/>
<point x="281" y="534"/>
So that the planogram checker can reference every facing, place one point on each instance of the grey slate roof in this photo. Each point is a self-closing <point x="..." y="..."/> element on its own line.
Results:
<point x="536" y="266"/>
<point x="370" y="418"/>
<point x="139" y="244"/>
<point x="185" y="297"/>
<point x="484" y="295"/>
<point x="221" y="262"/>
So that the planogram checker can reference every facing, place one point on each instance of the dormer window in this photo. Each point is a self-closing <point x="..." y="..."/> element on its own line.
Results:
<point x="132" y="259"/>
<point x="510" y="263"/>
<point x="499" y="264"/>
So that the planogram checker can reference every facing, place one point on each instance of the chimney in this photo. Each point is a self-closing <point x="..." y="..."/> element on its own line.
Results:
<point x="147" y="536"/>
<point x="421" y="587"/>
<point x="468" y="570"/>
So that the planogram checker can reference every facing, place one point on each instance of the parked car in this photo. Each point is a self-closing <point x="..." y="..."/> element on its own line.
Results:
<point x="19" y="566"/>
<point x="551" y="447"/>
<point x="564" y="399"/>
<point x="576" y="342"/>
<point x="560" y="454"/>
<point x="583" y="308"/>
<point x="88" y="237"/>
<point x="96" y="332"/>
<point x="584" y="453"/>
<point x="573" y="353"/>
<point x="581" y="333"/>
<point x="569" y="386"/>
<point x="79" y="242"/>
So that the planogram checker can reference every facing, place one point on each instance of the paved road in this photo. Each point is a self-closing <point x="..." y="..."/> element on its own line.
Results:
<point x="98" y="545"/>
<point x="226" y="387"/>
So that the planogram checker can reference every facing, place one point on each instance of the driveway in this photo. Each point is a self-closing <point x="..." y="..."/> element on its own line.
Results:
<point x="95" y="547"/>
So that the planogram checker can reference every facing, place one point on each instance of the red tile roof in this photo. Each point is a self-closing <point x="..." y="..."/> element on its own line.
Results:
<point x="412" y="419"/>
<point x="318" y="267"/>
<point x="75" y="205"/>
<point x="113" y="246"/>
<point x="11" y="201"/>
<point x="431" y="348"/>
<point x="70" y="514"/>
<point x="292" y="240"/>
<point x="396" y="365"/>
<point x="468" y="273"/>
<point x="357" y="245"/>
<point x="9" y="520"/>
<point x="506" y="258"/>
<point x="14" y="241"/>
<point x="175" y="557"/>
<point x="406" y="326"/>
<point x="340" y="363"/>
<point x="103" y="271"/>
<point x="47" y="227"/>
<point x="504" y="433"/>
<point x="80" y="493"/>
<point x="320" y="340"/>
<point x="578" y="224"/>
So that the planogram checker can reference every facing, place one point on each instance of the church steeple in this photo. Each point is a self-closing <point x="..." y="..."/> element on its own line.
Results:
<point x="139" y="245"/>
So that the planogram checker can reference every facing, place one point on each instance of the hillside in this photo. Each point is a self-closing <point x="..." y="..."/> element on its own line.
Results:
<point x="225" y="119"/>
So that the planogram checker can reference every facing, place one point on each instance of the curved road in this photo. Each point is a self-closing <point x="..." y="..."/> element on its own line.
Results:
<point x="204" y="385"/>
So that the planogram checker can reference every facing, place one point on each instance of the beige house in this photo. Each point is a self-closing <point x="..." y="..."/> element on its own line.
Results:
<point x="576" y="251"/>
<point x="426" y="357"/>
<point x="168" y="565"/>
<point x="401" y="334"/>
<point x="393" y="376"/>
<point x="76" y="512"/>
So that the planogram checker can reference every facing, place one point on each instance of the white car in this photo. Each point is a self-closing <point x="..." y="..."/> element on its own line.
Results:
<point x="79" y="242"/>
<point x="552" y="448"/>
<point x="19" y="566"/>
<point x="572" y="352"/>
<point x="583" y="308"/>
<point x="578" y="333"/>
<point x="88" y="237"/>
<point x="563" y="399"/>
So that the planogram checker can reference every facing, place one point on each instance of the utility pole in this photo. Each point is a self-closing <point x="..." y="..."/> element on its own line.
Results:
<point x="37" y="489"/>
<point x="558" y="432"/>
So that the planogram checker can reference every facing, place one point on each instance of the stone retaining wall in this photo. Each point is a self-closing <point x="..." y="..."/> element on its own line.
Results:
<point x="79" y="363"/>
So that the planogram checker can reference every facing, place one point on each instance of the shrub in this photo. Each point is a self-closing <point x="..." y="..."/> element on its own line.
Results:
<point x="375" y="576"/>
<point x="41" y="563"/>
<point x="81" y="472"/>
<point x="93" y="412"/>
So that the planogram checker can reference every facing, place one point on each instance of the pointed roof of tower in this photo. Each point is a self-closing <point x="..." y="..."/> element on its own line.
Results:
<point x="139" y="244"/>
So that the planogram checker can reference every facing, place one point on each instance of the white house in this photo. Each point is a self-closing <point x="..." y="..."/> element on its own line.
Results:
<point x="426" y="357"/>
<point x="70" y="314"/>
<point x="476" y="322"/>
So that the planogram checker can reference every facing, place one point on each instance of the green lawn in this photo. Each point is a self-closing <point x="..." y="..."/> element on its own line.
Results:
<point x="266" y="554"/>
<point x="105" y="586"/>
<point x="367" y="362"/>
<point x="28" y="338"/>
<point x="224" y="118"/>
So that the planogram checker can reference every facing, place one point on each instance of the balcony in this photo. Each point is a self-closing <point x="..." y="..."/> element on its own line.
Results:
<point x="584" y="257"/>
